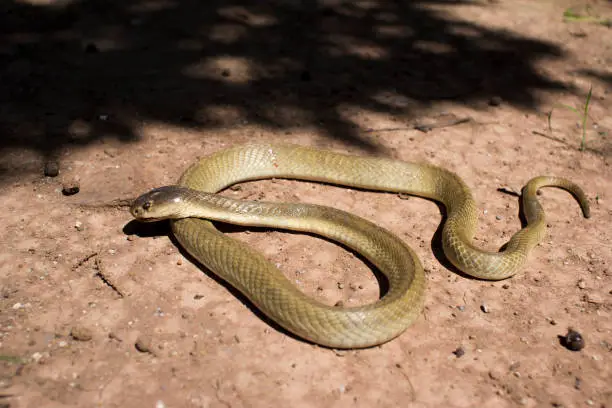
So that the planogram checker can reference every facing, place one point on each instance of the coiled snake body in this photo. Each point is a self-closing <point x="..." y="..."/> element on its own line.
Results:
<point x="193" y="201"/>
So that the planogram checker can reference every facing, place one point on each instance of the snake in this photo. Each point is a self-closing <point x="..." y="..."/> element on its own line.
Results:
<point x="194" y="203"/>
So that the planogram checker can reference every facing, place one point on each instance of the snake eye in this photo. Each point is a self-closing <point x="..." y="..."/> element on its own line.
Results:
<point x="146" y="205"/>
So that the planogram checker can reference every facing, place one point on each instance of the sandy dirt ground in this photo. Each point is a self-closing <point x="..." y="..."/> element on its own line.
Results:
<point x="121" y="96"/>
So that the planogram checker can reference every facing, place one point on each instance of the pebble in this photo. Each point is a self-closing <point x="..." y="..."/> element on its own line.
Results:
<point x="71" y="188"/>
<point x="498" y="217"/>
<point x="459" y="352"/>
<point x="573" y="340"/>
<point x="581" y="284"/>
<point x="81" y="333"/>
<point x="114" y="336"/>
<point x="485" y="308"/>
<point x="495" y="101"/>
<point x="37" y="356"/>
<point x="79" y="226"/>
<point x="143" y="344"/>
<point x="340" y="285"/>
<point x="51" y="168"/>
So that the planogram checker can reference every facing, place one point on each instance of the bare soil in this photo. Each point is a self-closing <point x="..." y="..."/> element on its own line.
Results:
<point x="121" y="96"/>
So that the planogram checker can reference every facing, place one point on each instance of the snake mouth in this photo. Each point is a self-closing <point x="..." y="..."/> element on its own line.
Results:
<point x="152" y="219"/>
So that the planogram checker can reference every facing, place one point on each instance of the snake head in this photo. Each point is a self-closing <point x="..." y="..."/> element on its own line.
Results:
<point x="159" y="204"/>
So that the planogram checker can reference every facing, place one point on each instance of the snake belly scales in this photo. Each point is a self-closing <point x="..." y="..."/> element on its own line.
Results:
<point x="193" y="202"/>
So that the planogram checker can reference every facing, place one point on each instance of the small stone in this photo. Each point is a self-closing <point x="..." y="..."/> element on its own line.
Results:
<point x="505" y="286"/>
<point x="495" y="101"/>
<point x="485" y="308"/>
<point x="577" y="383"/>
<point x="581" y="284"/>
<point x="459" y="352"/>
<point x="179" y="262"/>
<point x="79" y="130"/>
<point x="340" y="285"/>
<point x="339" y="303"/>
<point x="18" y="306"/>
<point x="573" y="340"/>
<point x="114" y="336"/>
<point x="494" y="375"/>
<point x="143" y="344"/>
<point x="498" y="217"/>
<point x="71" y="188"/>
<point x="37" y="357"/>
<point x="461" y="308"/>
<point x="51" y="168"/>
<point x="198" y="297"/>
<point x="81" y="333"/>
<point x="79" y="226"/>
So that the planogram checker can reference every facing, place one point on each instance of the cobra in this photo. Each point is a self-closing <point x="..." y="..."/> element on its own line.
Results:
<point x="193" y="203"/>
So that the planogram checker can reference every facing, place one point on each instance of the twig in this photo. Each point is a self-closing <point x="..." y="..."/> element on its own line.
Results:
<point x="83" y="260"/>
<point x="116" y="203"/>
<point x="100" y="273"/>
<point x="509" y="190"/>
<point x="440" y="122"/>
<point x="427" y="124"/>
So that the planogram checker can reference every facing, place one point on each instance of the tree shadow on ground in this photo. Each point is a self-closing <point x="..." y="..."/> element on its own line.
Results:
<point x="75" y="72"/>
